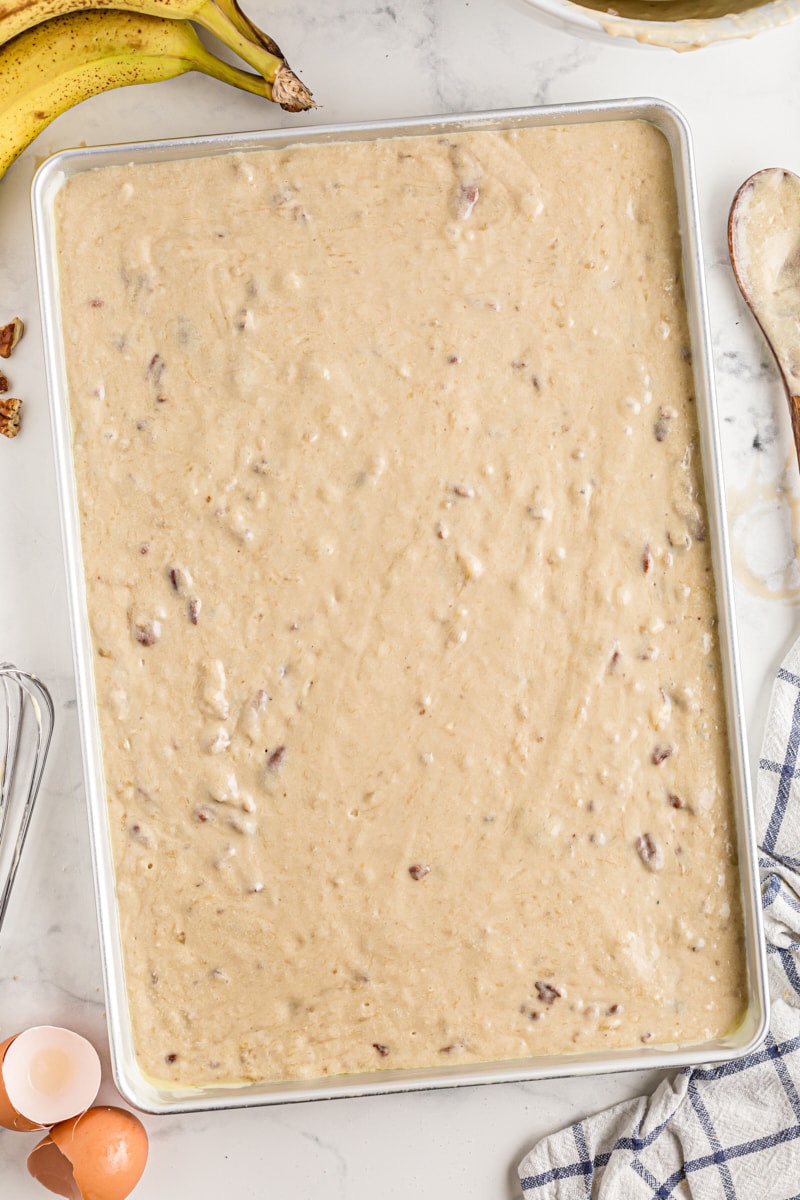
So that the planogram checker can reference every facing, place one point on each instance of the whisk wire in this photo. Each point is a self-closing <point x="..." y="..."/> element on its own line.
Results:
<point x="28" y="719"/>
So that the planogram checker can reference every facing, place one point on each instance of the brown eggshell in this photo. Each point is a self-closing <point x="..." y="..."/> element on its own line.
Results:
<point x="48" y="1166"/>
<point x="9" y="1117"/>
<point x="107" y="1149"/>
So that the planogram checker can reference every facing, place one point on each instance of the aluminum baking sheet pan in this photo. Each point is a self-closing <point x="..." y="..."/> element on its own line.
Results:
<point x="137" y="1089"/>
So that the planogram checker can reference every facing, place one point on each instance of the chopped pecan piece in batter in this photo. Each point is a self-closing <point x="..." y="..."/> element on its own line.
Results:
<point x="663" y="425"/>
<point x="465" y="200"/>
<point x="275" y="760"/>
<point x="180" y="579"/>
<point x="548" y="993"/>
<point x="649" y="852"/>
<point x="155" y="368"/>
<point x="147" y="632"/>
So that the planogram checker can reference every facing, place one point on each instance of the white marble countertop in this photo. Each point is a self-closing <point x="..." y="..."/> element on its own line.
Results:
<point x="369" y="59"/>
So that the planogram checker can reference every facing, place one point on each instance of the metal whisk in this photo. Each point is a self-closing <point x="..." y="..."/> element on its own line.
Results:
<point x="26" y="726"/>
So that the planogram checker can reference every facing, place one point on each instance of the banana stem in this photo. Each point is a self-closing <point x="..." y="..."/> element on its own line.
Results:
<point x="211" y="17"/>
<point x="209" y="64"/>
<point x="286" y="88"/>
<point x="249" y="28"/>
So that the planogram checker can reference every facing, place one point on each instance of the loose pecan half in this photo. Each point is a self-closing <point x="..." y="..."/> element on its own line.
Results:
<point x="9" y="336"/>
<point x="9" y="417"/>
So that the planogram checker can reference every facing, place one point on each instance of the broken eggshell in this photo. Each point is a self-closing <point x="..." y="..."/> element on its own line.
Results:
<point x="9" y="1117"/>
<point x="47" y="1074"/>
<point x="99" y="1155"/>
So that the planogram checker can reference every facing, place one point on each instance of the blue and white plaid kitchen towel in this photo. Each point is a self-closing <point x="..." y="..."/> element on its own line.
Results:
<point x="729" y="1132"/>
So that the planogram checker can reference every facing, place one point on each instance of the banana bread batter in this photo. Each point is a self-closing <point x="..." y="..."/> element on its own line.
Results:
<point x="402" y="603"/>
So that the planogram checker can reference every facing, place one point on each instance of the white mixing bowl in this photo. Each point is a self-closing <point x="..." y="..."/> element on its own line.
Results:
<point x="679" y="34"/>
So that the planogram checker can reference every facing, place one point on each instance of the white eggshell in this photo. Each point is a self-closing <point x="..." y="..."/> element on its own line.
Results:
<point x="51" y="1074"/>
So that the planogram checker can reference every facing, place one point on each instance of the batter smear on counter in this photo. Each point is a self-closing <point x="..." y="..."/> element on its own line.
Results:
<point x="402" y="603"/>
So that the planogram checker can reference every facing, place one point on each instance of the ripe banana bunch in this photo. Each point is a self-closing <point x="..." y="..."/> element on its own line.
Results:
<point x="55" y="53"/>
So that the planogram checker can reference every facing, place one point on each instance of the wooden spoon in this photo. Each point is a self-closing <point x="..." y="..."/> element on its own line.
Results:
<point x="764" y="245"/>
